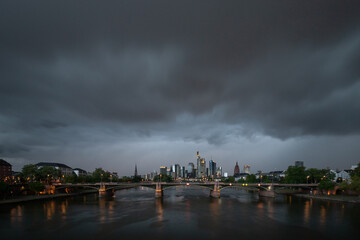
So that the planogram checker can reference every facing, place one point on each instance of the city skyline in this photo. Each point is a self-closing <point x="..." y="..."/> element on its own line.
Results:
<point x="150" y="84"/>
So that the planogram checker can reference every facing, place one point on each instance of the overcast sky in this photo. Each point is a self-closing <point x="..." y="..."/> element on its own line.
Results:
<point x="112" y="84"/>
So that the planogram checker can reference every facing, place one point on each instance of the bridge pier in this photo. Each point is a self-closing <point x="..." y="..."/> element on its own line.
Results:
<point x="216" y="192"/>
<point x="267" y="193"/>
<point x="105" y="193"/>
<point x="158" y="191"/>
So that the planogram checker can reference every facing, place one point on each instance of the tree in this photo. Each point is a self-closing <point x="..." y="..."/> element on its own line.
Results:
<point x="251" y="178"/>
<point x="36" y="187"/>
<point x="295" y="174"/>
<point x="47" y="173"/>
<point x="326" y="184"/>
<point x="73" y="178"/>
<point x="29" y="171"/>
<point x="99" y="175"/>
<point x="230" y="179"/>
<point x="136" y="179"/>
<point x="317" y="175"/>
<point x="164" y="178"/>
<point x="356" y="171"/>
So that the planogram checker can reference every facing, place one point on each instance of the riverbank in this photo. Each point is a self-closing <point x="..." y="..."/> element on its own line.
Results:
<point x="338" y="198"/>
<point x="43" y="197"/>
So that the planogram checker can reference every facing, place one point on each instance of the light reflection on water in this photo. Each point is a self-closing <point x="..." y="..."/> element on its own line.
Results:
<point x="182" y="212"/>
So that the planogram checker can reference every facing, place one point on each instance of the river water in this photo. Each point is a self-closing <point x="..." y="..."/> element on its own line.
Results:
<point x="183" y="213"/>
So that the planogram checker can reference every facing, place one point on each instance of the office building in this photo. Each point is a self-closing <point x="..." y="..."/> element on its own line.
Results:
<point x="163" y="170"/>
<point x="191" y="170"/>
<point x="299" y="163"/>
<point x="247" y="169"/>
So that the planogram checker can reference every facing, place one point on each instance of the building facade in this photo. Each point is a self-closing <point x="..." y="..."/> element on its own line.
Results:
<point x="80" y="172"/>
<point x="65" y="170"/>
<point x="5" y="169"/>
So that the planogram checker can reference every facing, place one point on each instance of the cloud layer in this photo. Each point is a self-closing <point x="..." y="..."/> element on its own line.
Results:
<point x="88" y="74"/>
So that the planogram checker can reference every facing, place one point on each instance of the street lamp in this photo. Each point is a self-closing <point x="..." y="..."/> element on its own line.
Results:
<point x="307" y="179"/>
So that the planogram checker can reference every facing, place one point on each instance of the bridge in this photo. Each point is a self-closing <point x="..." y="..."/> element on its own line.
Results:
<point x="264" y="189"/>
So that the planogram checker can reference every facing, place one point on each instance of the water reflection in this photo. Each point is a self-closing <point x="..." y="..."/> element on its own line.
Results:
<point x="106" y="208"/>
<point x="235" y="214"/>
<point x="322" y="219"/>
<point x="49" y="209"/>
<point x="214" y="208"/>
<point x="307" y="212"/>
<point x="159" y="209"/>
<point x="16" y="215"/>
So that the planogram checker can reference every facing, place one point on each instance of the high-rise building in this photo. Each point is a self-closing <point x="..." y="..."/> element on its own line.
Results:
<point x="163" y="170"/>
<point x="219" y="172"/>
<point x="247" y="169"/>
<point x="236" y="170"/>
<point x="136" y="173"/>
<point x="198" y="160"/>
<point x="182" y="172"/>
<point x="202" y="169"/>
<point x="299" y="163"/>
<point x="212" y="168"/>
<point x="177" y="170"/>
<point x="191" y="170"/>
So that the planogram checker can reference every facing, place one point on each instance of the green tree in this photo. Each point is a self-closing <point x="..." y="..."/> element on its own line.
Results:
<point x="356" y="171"/>
<point x="326" y="184"/>
<point x="295" y="174"/>
<point x="230" y="179"/>
<point x="251" y="178"/>
<point x="164" y="178"/>
<point x="124" y="179"/>
<point x="99" y="175"/>
<point x="317" y="175"/>
<point x="47" y="173"/>
<point x="36" y="187"/>
<point x="136" y="179"/>
<point x="73" y="178"/>
<point x="29" y="171"/>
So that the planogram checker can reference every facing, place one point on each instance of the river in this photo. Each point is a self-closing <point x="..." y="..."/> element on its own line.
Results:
<point x="183" y="213"/>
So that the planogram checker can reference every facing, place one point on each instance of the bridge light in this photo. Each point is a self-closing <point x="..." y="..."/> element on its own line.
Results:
<point x="259" y="184"/>
<point x="187" y="184"/>
<point x="245" y="184"/>
<point x="230" y="184"/>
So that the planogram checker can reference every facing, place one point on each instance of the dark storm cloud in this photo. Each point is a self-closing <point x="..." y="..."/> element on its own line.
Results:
<point x="281" y="68"/>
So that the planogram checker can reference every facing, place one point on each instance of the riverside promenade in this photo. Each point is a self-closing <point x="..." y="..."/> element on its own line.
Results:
<point x="21" y="199"/>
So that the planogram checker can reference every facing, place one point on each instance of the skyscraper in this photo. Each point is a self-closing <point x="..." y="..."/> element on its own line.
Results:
<point x="202" y="172"/>
<point x="212" y="168"/>
<point x="191" y="170"/>
<point x="198" y="164"/>
<point x="136" y="173"/>
<point x="163" y="170"/>
<point x="247" y="169"/>
<point x="236" y="170"/>
<point x="218" y="171"/>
